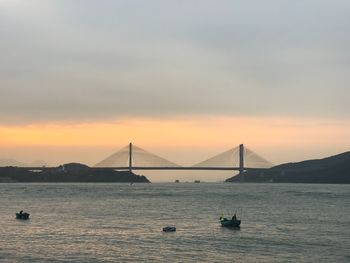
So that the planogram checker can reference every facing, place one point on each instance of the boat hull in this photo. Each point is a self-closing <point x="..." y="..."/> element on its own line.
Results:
<point x="230" y="223"/>
<point x="169" y="229"/>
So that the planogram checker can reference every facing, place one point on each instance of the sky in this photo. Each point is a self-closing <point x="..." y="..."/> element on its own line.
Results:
<point x="184" y="79"/>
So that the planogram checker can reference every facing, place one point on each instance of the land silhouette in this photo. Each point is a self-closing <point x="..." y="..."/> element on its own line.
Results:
<point x="332" y="170"/>
<point x="71" y="172"/>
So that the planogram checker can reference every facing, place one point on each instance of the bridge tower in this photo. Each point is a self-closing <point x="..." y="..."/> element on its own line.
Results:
<point x="241" y="160"/>
<point x="130" y="157"/>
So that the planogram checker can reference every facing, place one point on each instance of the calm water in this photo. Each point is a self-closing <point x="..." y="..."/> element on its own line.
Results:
<point x="122" y="223"/>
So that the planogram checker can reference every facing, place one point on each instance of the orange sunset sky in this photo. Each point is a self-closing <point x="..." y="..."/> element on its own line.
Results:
<point x="185" y="140"/>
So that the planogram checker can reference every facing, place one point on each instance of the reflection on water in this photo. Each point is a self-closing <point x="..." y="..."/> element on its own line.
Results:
<point x="123" y="223"/>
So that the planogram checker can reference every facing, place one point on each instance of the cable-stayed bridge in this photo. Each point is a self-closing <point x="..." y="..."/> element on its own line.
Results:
<point x="132" y="157"/>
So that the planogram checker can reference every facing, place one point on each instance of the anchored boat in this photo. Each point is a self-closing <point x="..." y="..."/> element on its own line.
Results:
<point x="21" y="215"/>
<point x="233" y="222"/>
<point x="169" y="229"/>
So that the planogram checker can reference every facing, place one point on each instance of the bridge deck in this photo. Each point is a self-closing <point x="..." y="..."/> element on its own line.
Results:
<point x="172" y="168"/>
<point x="151" y="168"/>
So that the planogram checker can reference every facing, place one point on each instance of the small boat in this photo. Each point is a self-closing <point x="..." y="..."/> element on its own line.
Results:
<point x="233" y="222"/>
<point x="21" y="215"/>
<point x="169" y="229"/>
<point x="197" y="181"/>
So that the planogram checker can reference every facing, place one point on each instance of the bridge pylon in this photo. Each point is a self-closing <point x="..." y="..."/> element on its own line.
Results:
<point x="130" y="157"/>
<point x="241" y="160"/>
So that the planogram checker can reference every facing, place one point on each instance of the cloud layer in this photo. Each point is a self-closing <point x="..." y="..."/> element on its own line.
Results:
<point x="73" y="60"/>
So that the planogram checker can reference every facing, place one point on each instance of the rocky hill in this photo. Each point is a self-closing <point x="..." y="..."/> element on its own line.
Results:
<point x="333" y="170"/>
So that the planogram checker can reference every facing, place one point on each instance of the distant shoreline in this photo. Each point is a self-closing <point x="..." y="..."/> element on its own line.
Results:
<point x="68" y="173"/>
<point x="331" y="170"/>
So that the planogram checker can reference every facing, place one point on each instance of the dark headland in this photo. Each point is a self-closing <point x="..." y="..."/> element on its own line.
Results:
<point x="72" y="172"/>
<point x="331" y="170"/>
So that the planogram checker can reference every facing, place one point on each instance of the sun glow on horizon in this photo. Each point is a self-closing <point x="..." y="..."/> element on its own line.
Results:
<point x="191" y="135"/>
<point x="211" y="130"/>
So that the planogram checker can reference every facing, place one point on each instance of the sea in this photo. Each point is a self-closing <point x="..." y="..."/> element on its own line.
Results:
<point x="96" y="222"/>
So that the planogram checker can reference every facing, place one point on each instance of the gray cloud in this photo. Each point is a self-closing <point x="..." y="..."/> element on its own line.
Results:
<point x="101" y="59"/>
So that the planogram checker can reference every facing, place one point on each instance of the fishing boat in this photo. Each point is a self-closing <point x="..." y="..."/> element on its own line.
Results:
<point x="21" y="215"/>
<point x="233" y="222"/>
